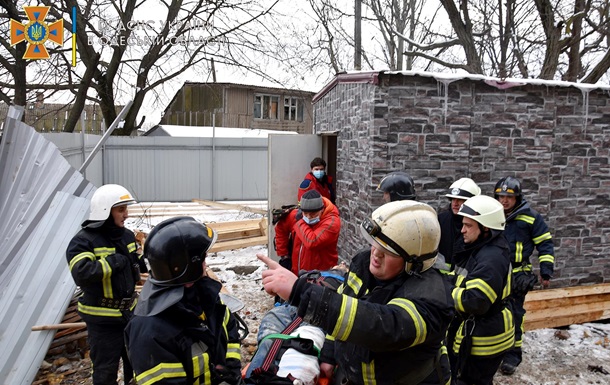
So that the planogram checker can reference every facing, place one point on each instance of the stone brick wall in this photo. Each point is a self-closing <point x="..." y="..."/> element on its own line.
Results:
<point x="554" y="138"/>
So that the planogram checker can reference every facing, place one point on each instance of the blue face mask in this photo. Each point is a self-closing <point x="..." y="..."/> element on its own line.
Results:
<point x="311" y="221"/>
<point x="318" y="173"/>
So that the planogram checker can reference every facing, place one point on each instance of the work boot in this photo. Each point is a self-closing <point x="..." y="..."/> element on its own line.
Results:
<point x="507" y="369"/>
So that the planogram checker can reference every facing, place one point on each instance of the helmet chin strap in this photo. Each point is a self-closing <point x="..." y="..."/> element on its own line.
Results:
<point x="419" y="266"/>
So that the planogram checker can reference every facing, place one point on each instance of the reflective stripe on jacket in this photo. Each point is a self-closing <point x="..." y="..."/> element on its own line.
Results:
<point x="525" y="231"/>
<point x="383" y="332"/>
<point x="482" y="284"/>
<point x="179" y="346"/>
<point x="106" y="268"/>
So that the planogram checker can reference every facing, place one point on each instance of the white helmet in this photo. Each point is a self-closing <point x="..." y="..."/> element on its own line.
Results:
<point x="406" y="228"/>
<point x="463" y="188"/>
<point x="105" y="198"/>
<point x="485" y="210"/>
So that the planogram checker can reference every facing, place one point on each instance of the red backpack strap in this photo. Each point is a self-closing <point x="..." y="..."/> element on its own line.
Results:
<point x="277" y="344"/>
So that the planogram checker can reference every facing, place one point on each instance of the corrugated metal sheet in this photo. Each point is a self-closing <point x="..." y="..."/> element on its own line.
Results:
<point x="42" y="203"/>
<point x="175" y="169"/>
<point x="182" y="169"/>
<point x="71" y="147"/>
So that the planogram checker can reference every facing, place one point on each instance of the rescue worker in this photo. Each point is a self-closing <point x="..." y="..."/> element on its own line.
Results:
<point x="318" y="180"/>
<point x="525" y="231"/>
<point x="483" y="329"/>
<point x="103" y="262"/>
<point x="389" y="319"/>
<point x="451" y="222"/>
<point x="182" y="333"/>
<point x="313" y="231"/>
<point x="397" y="186"/>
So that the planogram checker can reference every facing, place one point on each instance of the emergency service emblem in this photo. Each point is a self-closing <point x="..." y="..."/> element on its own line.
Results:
<point x="455" y="191"/>
<point x="36" y="32"/>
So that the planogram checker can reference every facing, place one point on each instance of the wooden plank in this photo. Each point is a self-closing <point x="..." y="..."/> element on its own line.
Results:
<point x="564" y="302"/>
<point x="592" y="308"/>
<point x="566" y="306"/>
<point x="58" y="326"/>
<point x="66" y="339"/>
<point x="234" y="225"/>
<point x="565" y="292"/>
<point x="238" y="244"/>
<point x="565" y="320"/>
<point x="230" y="206"/>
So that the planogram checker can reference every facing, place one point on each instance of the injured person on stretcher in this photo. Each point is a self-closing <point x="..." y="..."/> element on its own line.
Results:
<point x="288" y="348"/>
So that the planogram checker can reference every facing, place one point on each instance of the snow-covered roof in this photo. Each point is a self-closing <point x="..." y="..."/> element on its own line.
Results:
<point x="447" y="77"/>
<point x="209" y="132"/>
<point x="501" y="83"/>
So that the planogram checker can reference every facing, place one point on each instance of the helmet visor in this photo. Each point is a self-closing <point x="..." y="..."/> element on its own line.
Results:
<point x="373" y="234"/>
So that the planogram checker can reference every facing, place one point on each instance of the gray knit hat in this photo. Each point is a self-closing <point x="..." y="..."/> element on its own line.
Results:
<point x="311" y="201"/>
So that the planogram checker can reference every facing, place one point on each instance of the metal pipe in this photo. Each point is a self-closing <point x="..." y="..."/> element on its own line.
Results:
<point x="106" y="135"/>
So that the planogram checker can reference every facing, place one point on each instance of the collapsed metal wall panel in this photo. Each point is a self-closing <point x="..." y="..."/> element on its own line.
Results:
<point x="42" y="203"/>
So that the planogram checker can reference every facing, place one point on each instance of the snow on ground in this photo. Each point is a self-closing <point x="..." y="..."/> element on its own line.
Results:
<point x="579" y="354"/>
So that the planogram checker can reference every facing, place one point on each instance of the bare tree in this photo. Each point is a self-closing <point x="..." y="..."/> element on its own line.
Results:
<point x="567" y="39"/>
<point x="123" y="55"/>
<point x="397" y="18"/>
<point x="13" y="64"/>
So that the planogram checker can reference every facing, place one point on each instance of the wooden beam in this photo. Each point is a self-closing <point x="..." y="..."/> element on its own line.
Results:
<point x="58" y="326"/>
<point x="230" y="206"/>
<point x="239" y="243"/>
<point x="566" y="306"/>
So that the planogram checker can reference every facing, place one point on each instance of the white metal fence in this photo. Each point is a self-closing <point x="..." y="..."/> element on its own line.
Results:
<point x="173" y="169"/>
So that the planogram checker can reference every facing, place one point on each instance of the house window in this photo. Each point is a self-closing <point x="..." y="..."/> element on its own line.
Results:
<point x="266" y="106"/>
<point x="293" y="109"/>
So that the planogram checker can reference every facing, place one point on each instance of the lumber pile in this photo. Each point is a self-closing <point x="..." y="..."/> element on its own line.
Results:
<point x="231" y="206"/>
<point x="566" y="306"/>
<point x="239" y="234"/>
<point x="231" y="235"/>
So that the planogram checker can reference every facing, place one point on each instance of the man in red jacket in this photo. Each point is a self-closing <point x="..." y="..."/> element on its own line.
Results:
<point x="313" y="231"/>
<point x="317" y="179"/>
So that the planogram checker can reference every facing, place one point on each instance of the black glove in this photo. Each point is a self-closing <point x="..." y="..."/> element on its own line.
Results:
<point x="225" y="374"/>
<point x="117" y="261"/>
<point x="286" y="262"/>
<point x="523" y="283"/>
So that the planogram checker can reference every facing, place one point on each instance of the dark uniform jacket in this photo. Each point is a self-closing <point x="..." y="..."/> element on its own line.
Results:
<point x="184" y="343"/>
<point x="526" y="230"/>
<point x="482" y="284"/>
<point x="384" y="332"/>
<point x="104" y="264"/>
<point x="451" y="235"/>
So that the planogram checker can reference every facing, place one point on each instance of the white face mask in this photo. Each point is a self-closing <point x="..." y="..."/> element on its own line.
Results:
<point x="318" y="173"/>
<point x="311" y="221"/>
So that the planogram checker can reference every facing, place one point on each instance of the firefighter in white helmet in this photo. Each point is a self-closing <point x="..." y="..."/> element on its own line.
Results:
<point x="389" y="319"/>
<point x="104" y="263"/>
<point x="451" y="222"/>
<point x="483" y="329"/>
